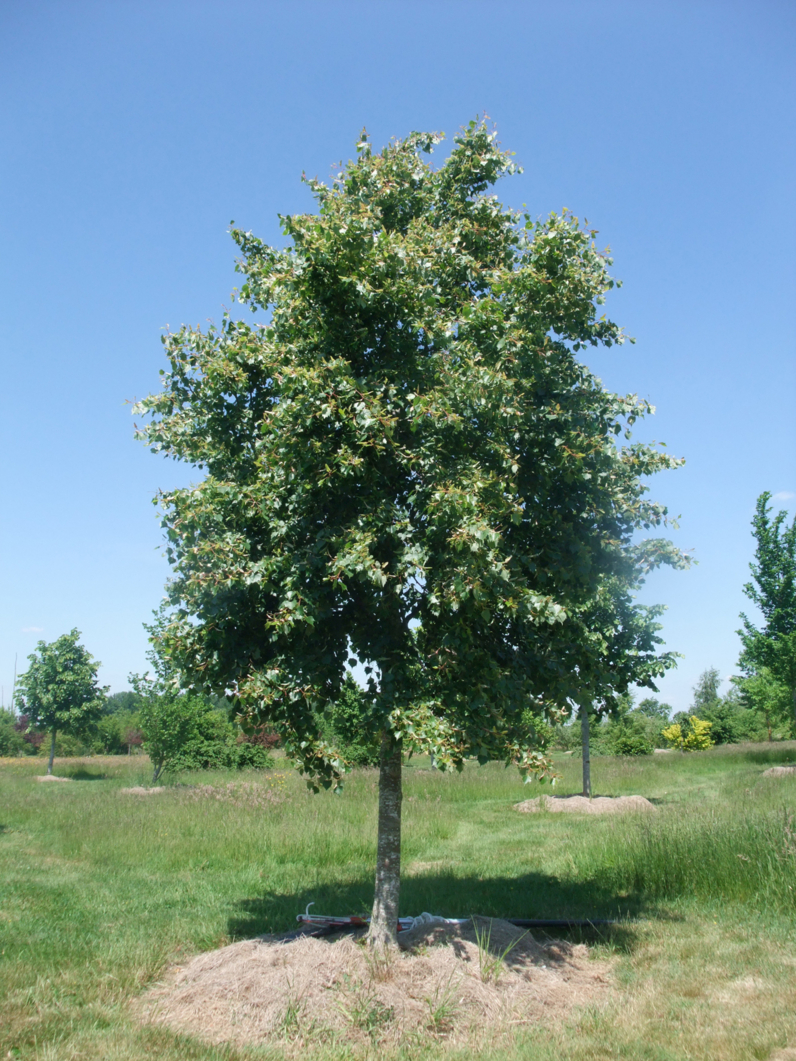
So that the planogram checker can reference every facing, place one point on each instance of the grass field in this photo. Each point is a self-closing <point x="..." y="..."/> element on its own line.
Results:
<point x="102" y="891"/>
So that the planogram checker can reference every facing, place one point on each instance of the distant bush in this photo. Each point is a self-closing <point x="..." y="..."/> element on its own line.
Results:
<point x="626" y="742"/>
<point x="133" y="738"/>
<point x="566" y="738"/>
<point x="630" y="731"/>
<point x="345" y="725"/>
<point x="261" y="737"/>
<point x="33" y="738"/>
<point x="768" y="705"/>
<point x="11" y="740"/>
<point x="110" y="735"/>
<point x="186" y="731"/>
<point x="690" y="736"/>
<point x="126" y="702"/>
<point x="68" y="746"/>
<point x="254" y="756"/>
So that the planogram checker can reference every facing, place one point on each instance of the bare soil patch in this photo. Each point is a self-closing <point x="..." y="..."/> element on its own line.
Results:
<point x="51" y="777"/>
<point x="438" y="985"/>
<point x="582" y="805"/>
<point x="780" y="771"/>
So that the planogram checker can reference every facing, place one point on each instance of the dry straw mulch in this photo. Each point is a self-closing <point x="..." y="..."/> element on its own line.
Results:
<point x="780" y="771"/>
<point x="438" y="984"/>
<point x="51" y="777"/>
<point x="582" y="805"/>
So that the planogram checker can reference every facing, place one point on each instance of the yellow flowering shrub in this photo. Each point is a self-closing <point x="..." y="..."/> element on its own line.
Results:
<point x="694" y="737"/>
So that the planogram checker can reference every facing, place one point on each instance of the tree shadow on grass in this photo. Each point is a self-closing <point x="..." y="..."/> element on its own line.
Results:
<point x="529" y="896"/>
<point x="82" y="774"/>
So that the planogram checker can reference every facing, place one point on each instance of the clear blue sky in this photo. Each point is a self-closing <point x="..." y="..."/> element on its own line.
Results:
<point x="133" y="132"/>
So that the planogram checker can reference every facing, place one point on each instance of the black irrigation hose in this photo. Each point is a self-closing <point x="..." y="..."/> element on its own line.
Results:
<point x="565" y="923"/>
<point x="319" y="931"/>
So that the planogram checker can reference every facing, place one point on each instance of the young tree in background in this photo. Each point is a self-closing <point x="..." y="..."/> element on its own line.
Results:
<point x="766" y="698"/>
<point x="170" y="723"/>
<point x="59" y="691"/>
<point x="653" y="708"/>
<point x="706" y="691"/>
<point x="773" y="590"/>
<point x="406" y="461"/>
<point x="616" y="646"/>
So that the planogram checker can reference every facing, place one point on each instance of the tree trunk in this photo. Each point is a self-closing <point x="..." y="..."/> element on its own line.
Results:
<point x="52" y="753"/>
<point x="584" y="737"/>
<point x="384" y="919"/>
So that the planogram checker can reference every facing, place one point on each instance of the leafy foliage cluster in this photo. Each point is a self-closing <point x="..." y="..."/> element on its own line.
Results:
<point x="733" y="717"/>
<point x="185" y="731"/>
<point x="690" y="736"/>
<point x="407" y="461"/>
<point x="12" y="740"/>
<point x="768" y="656"/>
<point x="349" y="726"/>
<point x="629" y="729"/>
<point x="59" y="692"/>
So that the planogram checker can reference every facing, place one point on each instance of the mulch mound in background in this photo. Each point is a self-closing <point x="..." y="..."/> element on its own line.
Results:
<point x="582" y="805"/>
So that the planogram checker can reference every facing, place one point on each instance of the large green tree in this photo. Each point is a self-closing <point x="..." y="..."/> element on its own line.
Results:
<point x="59" y="692"/>
<point x="407" y="464"/>
<point x="771" y="647"/>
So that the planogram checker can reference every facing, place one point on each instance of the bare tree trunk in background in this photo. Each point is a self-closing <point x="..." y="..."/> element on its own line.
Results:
<point x="52" y="753"/>
<point x="384" y="919"/>
<point x="584" y="737"/>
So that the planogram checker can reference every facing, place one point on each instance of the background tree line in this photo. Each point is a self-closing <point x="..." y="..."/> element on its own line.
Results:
<point x="58" y="697"/>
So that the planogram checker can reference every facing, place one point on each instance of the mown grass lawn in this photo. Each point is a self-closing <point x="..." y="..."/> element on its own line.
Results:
<point x="102" y="891"/>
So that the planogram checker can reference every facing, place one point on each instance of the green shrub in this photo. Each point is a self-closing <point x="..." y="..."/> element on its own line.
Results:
<point x="347" y="727"/>
<point x="67" y="746"/>
<point x="628" y="743"/>
<point x="690" y="736"/>
<point x="251" y="756"/>
<point x="11" y="740"/>
<point x="188" y="732"/>
<point x="631" y="734"/>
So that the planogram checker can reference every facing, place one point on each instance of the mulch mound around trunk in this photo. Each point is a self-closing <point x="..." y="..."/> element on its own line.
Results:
<point x="441" y="984"/>
<point x="139" y="790"/>
<point x="51" y="777"/>
<point x="582" y="805"/>
<point x="780" y="771"/>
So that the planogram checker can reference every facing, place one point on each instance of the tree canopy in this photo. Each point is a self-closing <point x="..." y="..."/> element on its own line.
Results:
<point x="408" y="465"/>
<point x="59" y="691"/>
<point x="771" y="648"/>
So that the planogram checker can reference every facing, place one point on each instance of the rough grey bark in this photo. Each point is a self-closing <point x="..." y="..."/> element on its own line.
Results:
<point x="384" y="918"/>
<point x="584" y="737"/>
<point x="52" y="753"/>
